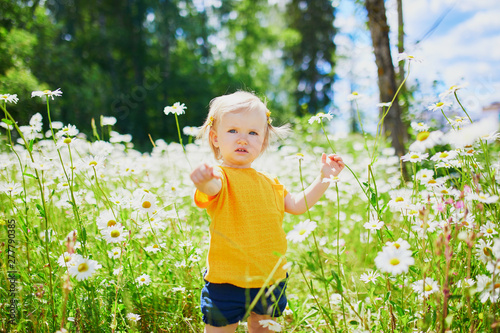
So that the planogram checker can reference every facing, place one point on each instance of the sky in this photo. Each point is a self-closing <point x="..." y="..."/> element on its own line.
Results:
<point x="457" y="41"/>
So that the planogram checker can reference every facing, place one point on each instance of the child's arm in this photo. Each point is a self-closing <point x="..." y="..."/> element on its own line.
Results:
<point x="331" y="165"/>
<point x="206" y="179"/>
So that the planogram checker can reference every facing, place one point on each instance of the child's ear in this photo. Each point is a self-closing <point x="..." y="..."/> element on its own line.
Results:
<point x="213" y="138"/>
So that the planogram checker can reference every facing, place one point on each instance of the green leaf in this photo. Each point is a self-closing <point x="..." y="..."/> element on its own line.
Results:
<point x="41" y="210"/>
<point x="7" y="121"/>
<point x="29" y="175"/>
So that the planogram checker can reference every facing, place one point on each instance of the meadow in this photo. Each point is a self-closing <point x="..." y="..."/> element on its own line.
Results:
<point x="99" y="237"/>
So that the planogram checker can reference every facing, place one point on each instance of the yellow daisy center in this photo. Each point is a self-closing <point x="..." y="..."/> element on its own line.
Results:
<point x="422" y="136"/>
<point x="444" y="155"/>
<point x="155" y="246"/>
<point x="143" y="279"/>
<point x="111" y="223"/>
<point x="115" y="233"/>
<point x="439" y="104"/>
<point x="46" y="91"/>
<point x="420" y="124"/>
<point x="399" y="199"/>
<point x="490" y="231"/>
<point x="427" y="287"/>
<point x="146" y="204"/>
<point x="300" y="154"/>
<point x="67" y="258"/>
<point x="302" y="231"/>
<point x="394" y="261"/>
<point x="397" y="245"/>
<point x="83" y="267"/>
<point x="355" y="93"/>
<point x="432" y="181"/>
<point x="67" y="140"/>
<point x="414" y="156"/>
<point x="93" y="163"/>
<point x="487" y="251"/>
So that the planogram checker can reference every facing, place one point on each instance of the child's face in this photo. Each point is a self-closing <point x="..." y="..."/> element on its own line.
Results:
<point x="239" y="137"/>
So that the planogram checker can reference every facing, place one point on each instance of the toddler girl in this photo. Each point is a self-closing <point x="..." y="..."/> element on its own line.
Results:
<point x="247" y="240"/>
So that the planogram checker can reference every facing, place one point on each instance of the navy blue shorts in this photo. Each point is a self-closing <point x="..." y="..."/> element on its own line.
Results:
<point x="224" y="304"/>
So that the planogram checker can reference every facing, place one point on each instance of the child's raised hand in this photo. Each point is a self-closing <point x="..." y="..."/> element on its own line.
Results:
<point x="203" y="174"/>
<point x="331" y="165"/>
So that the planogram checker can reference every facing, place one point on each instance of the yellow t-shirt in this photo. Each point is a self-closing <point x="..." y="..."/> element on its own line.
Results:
<point x="247" y="240"/>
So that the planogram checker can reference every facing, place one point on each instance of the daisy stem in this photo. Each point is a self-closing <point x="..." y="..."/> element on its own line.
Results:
<point x="326" y="135"/>
<point x="456" y="97"/>
<point x="180" y="139"/>
<point x="103" y="193"/>
<point x="45" y="215"/>
<point x="314" y="236"/>
<point x="326" y="316"/>
<point x="338" y="246"/>
<point x="381" y="121"/>
<point x="73" y="201"/>
<point x="348" y="168"/>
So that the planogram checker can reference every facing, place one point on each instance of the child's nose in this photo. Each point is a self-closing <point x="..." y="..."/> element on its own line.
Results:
<point x="242" y="140"/>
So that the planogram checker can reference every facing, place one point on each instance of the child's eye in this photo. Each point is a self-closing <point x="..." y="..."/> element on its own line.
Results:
<point x="232" y="131"/>
<point x="254" y="133"/>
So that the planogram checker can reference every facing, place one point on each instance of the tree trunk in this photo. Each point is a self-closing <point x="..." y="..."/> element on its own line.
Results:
<point x="377" y="21"/>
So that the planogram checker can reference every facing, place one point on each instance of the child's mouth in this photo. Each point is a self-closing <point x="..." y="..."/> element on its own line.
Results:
<point x="241" y="150"/>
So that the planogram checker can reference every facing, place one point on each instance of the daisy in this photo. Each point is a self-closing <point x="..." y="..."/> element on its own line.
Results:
<point x="271" y="325"/>
<point x="114" y="234"/>
<point x="373" y="224"/>
<point x="400" y="199"/>
<point x="484" y="250"/>
<point x="179" y="289"/>
<point x="301" y="231"/>
<point x="488" y="229"/>
<point x="65" y="258"/>
<point x="465" y="283"/>
<point x="421" y="228"/>
<point x="106" y="220"/>
<point x="384" y="105"/>
<point x="433" y="183"/>
<point x="420" y="127"/>
<point x="354" y="96"/>
<point x="319" y="117"/>
<point x="425" y="140"/>
<point x="8" y="98"/>
<point x="143" y="279"/>
<point x="68" y="130"/>
<point x="83" y="268"/>
<point x="451" y="91"/>
<point x="108" y="121"/>
<point x="414" y="157"/>
<point x="406" y="57"/>
<point x="331" y="180"/>
<point x="484" y="197"/>
<point x="493" y="266"/>
<point x="155" y="248"/>
<point x="487" y="288"/>
<point x="133" y="317"/>
<point x="460" y="121"/>
<point x="93" y="162"/>
<point x="444" y="156"/>
<point x="11" y="188"/>
<point x="115" y="253"/>
<point x="191" y="130"/>
<point x="438" y="106"/>
<point x="177" y="109"/>
<point x="425" y="287"/>
<point x="48" y="93"/>
<point x="424" y="174"/>
<point x="400" y="244"/>
<point x="394" y="261"/>
<point x="371" y="276"/>
<point x="145" y="202"/>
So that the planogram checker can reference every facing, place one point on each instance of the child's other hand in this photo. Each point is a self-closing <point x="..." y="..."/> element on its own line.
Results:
<point x="331" y="165"/>
<point x="203" y="174"/>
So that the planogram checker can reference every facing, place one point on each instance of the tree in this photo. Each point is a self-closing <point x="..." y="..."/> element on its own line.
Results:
<point x="377" y="22"/>
<point x="312" y="58"/>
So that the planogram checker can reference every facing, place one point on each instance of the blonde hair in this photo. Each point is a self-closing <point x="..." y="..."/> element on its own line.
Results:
<point x="237" y="102"/>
